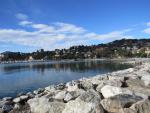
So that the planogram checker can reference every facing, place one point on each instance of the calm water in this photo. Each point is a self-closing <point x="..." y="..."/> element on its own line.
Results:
<point x="24" y="77"/>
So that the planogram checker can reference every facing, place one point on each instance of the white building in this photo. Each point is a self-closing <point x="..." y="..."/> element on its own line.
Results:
<point x="1" y="56"/>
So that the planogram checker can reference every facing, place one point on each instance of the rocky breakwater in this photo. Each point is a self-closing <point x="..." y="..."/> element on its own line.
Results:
<point x="125" y="91"/>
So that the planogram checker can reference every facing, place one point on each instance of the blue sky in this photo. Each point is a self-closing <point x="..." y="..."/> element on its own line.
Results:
<point x="28" y="25"/>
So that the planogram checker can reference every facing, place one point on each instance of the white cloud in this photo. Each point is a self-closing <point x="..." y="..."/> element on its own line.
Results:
<point x="21" y="16"/>
<point x="56" y="35"/>
<point x="148" y="23"/>
<point x="43" y="27"/>
<point x="111" y="35"/>
<point x="147" y="31"/>
<point x="67" y="28"/>
<point x="24" y="23"/>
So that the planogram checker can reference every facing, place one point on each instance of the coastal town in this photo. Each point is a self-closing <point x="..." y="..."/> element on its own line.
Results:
<point x="125" y="48"/>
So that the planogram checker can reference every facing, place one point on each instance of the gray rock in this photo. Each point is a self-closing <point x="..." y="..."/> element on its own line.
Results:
<point x="40" y="90"/>
<point x="68" y="97"/>
<point x="73" y="88"/>
<point x="73" y="95"/>
<point x="30" y="94"/>
<point x="17" y="100"/>
<point x="60" y="95"/>
<point x="40" y="94"/>
<point x="140" y="90"/>
<point x="79" y="106"/>
<point x="7" y="108"/>
<point x="1" y="110"/>
<point x="24" y="97"/>
<point x="42" y="105"/>
<point x="90" y="96"/>
<point x="135" y="82"/>
<point x="110" y="91"/>
<point x="17" y="106"/>
<point x="142" y="106"/>
<point x="120" y="78"/>
<point x="60" y="86"/>
<point x="51" y="90"/>
<point x="3" y="103"/>
<point x="128" y="110"/>
<point x="117" y="103"/>
<point x="88" y="102"/>
<point x="87" y="85"/>
<point x="72" y="83"/>
<point x="116" y="83"/>
<point x="7" y="98"/>
<point x="100" y="86"/>
<point x="146" y="79"/>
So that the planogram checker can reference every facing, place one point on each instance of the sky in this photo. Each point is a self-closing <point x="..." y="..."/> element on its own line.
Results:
<point x="29" y="25"/>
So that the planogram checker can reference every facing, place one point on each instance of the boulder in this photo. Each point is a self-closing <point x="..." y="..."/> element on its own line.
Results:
<point x="135" y="82"/>
<point x="7" y="98"/>
<point x="17" y="100"/>
<point x="7" y="108"/>
<point x="79" y="106"/>
<point x="42" y="105"/>
<point x="40" y="90"/>
<point x="24" y="97"/>
<point x="87" y="84"/>
<point x="120" y="78"/>
<point x="100" y="86"/>
<point x="20" y="99"/>
<point x="140" y="90"/>
<point x="128" y="110"/>
<point x="60" y="86"/>
<point x="19" y="108"/>
<point x="88" y="102"/>
<point x="73" y="88"/>
<point x="73" y="85"/>
<point x="73" y="95"/>
<point x="110" y="91"/>
<point x="146" y="79"/>
<point x="1" y="110"/>
<point x="91" y="96"/>
<point x="2" y="103"/>
<point x="142" y="106"/>
<point x="30" y="94"/>
<point x="60" y="95"/>
<point x="117" y="103"/>
<point x="116" y="83"/>
<point x="50" y="88"/>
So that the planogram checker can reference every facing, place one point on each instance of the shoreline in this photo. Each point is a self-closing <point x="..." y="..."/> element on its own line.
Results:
<point x="126" y="60"/>
<point x="95" y="92"/>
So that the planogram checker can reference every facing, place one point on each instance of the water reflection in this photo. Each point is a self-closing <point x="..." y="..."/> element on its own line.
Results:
<point x="25" y="77"/>
<point x="81" y="66"/>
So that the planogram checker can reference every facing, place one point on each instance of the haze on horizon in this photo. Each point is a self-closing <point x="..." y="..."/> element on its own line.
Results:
<point x="28" y="25"/>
